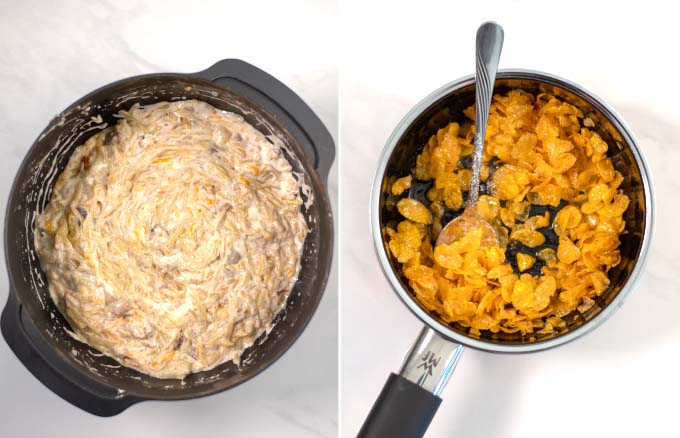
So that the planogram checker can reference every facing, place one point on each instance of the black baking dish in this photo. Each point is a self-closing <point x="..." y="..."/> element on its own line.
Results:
<point x="32" y="325"/>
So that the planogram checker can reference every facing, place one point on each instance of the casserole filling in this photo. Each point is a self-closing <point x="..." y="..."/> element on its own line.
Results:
<point x="172" y="239"/>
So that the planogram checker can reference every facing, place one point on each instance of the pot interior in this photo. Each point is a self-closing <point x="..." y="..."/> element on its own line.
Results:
<point x="622" y="151"/>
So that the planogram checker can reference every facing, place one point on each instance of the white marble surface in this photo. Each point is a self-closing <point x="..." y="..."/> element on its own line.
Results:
<point x="621" y="380"/>
<point x="55" y="52"/>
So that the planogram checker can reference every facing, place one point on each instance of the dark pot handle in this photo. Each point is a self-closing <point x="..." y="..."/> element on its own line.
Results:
<point x="25" y="340"/>
<point x="409" y="401"/>
<point x="234" y="74"/>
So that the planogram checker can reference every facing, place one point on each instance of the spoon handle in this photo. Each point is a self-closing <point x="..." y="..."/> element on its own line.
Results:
<point x="488" y="52"/>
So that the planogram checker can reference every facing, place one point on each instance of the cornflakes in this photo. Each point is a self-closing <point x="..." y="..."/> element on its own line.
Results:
<point x="553" y="196"/>
<point x="401" y="185"/>
<point x="414" y="210"/>
<point x="525" y="261"/>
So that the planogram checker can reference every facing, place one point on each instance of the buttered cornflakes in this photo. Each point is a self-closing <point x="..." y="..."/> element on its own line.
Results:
<point x="552" y="194"/>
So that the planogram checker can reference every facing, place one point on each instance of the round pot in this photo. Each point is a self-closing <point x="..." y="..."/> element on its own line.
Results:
<point x="31" y="323"/>
<point x="438" y="348"/>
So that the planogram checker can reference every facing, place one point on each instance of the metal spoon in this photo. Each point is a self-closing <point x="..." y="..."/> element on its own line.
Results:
<point x="489" y="44"/>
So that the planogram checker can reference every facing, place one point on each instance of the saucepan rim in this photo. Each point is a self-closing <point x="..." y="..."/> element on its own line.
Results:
<point x="429" y="319"/>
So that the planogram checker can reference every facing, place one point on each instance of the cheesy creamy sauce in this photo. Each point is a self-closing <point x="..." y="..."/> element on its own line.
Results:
<point x="173" y="239"/>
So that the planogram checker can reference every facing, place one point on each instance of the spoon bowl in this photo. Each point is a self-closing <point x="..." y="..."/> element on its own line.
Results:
<point x="467" y="222"/>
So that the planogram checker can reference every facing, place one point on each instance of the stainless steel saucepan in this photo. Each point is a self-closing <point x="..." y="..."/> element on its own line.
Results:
<point x="410" y="399"/>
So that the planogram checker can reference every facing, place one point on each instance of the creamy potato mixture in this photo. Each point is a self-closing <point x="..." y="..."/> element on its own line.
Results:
<point x="173" y="238"/>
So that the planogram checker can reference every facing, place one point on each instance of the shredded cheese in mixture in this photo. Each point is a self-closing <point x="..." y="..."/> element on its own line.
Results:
<point x="173" y="239"/>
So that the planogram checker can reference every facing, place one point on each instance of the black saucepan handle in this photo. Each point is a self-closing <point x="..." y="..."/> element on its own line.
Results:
<point x="255" y="84"/>
<point x="24" y="338"/>
<point x="409" y="400"/>
<point x="402" y="410"/>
